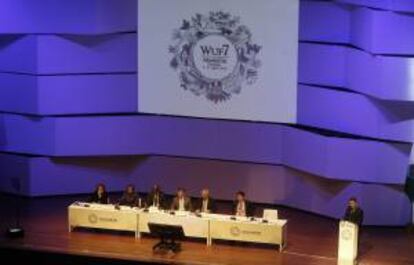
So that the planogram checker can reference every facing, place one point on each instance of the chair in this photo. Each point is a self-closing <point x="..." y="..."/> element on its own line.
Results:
<point x="168" y="235"/>
<point x="270" y="214"/>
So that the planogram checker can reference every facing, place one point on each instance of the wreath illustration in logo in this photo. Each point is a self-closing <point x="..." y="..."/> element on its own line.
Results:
<point x="214" y="55"/>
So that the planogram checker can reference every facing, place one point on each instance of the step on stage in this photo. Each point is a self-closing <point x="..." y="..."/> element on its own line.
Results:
<point x="312" y="240"/>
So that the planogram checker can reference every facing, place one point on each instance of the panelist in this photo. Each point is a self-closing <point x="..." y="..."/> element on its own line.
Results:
<point x="130" y="197"/>
<point x="181" y="201"/>
<point x="99" y="195"/>
<point x="353" y="212"/>
<point x="206" y="204"/>
<point x="241" y="206"/>
<point x="156" y="197"/>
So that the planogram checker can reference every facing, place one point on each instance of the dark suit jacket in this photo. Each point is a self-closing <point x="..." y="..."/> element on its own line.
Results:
<point x="249" y="208"/>
<point x="104" y="199"/>
<point x="187" y="204"/>
<point x="211" y="205"/>
<point x="354" y="216"/>
<point x="151" y="197"/>
<point x="129" y="199"/>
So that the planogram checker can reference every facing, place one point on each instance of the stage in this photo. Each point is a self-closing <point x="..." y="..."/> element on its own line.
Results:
<point x="311" y="239"/>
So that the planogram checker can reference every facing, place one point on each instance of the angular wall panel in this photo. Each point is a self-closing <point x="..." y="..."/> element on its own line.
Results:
<point x="18" y="53"/>
<point x="67" y="17"/>
<point x="19" y="93"/>
<point x="375" y="31"/>
<point x="395" y="5"/>
<point x="117" y="93"/>
<point x="68" y="94"/>
<point x="86" y="94"/>
<point x="341" y="66"/>
<point x="69" y="54"/>
<point x="325" y="22"/>
<point x="336" y="110"/>
<point x="383" y="32"/>
<point x="27" y="134"/>
<point x="388" y="78"/>
<point x="198" y="138"/>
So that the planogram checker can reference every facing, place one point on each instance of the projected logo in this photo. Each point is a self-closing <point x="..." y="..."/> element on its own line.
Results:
<point x="214" y="56"/>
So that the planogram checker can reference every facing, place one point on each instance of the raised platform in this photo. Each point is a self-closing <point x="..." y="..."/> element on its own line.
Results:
<point x="312" y="240"/>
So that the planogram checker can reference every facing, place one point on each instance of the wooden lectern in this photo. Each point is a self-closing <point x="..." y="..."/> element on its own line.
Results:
<point x="348" y="243"/>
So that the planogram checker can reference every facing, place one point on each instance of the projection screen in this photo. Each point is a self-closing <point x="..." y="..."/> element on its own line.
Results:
<point x="221" y="59"/>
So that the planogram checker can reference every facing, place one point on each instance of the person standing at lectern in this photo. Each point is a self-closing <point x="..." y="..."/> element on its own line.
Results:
<point x="206" y="203"/>
<point x="130" y="197"/>
<point x="181" y="202"/>
<point x="156" y="197"/>
<point x="241" y="205"/>
<point x="353" y="212"/>
<point x="99" y="195"/>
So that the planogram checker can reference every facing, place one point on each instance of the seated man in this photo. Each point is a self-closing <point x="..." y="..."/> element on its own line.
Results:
<point x="206" y="204"/>
<point x="155" y="198"/>
<point x="130" y="197"/>
<point x="99" y="195"/>
<point x="353" y="212"/>
<point x="181" y="202"/>
<point x="241" y="206"/>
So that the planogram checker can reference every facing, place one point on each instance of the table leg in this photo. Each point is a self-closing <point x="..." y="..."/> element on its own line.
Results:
<point x="209" y="241"/>
<point x="284" y="239"/>
<point x="282" y="246"/>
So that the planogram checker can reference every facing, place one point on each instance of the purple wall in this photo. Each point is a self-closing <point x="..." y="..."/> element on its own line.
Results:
<point x="377" y="31"/>
<point x="330" y="157"/>
<point x="383" y="77"/>
<point x="67" y="17"/>
<point x="68" y="100"/>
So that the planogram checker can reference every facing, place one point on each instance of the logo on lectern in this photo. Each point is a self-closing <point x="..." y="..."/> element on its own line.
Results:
<point x="346" y="234"/>
<point x="214" y="55"/>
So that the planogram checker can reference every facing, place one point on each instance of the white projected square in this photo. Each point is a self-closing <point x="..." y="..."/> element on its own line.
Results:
<point x="224" y="59"/>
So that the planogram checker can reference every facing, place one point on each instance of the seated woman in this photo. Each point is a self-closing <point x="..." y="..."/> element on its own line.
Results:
<point x="99" y="195"/>
<point x="155" y="198"/>
<point x="130" y="197"/>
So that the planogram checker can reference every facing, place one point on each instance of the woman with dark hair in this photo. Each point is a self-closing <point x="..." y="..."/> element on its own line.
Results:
<point x="100" y="195"/>
<point x="155" y="198"/>
<point x="130" y="197"/>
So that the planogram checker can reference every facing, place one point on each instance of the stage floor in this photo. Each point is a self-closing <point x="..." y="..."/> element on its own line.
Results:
<point x="312" y="240"/>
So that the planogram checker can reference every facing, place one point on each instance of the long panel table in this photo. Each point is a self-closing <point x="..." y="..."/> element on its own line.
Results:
<point x="103" y="216"/>
<point x="247" y="230"/>
<point x="207" y="226"/>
